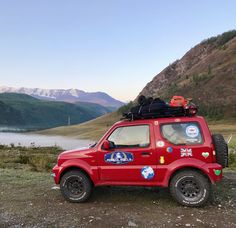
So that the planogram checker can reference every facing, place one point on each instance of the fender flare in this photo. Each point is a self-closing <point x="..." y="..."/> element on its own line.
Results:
<point x="186" y="163"/>
<point x="80" y="164"/>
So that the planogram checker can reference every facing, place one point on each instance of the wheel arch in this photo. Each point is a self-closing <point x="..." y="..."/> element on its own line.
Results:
<point x="70" y="168"/>
<point x="186" y="168"/>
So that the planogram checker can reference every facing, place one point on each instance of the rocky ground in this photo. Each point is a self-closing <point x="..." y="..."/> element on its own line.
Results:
<point x="30" y="199"/>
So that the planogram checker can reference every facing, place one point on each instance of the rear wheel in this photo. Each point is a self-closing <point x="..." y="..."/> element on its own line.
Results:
<point x="190" y="188"/>
<point x="76" y="186"/>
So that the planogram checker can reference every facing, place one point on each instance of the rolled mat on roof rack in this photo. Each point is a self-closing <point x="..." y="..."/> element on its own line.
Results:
<point x="149" y="108"/>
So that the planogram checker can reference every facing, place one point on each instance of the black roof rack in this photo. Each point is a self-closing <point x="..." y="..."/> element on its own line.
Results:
<point x="156" y="108"/>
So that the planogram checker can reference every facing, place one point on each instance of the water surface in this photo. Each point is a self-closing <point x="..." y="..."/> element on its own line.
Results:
<point x="29" y="140"/>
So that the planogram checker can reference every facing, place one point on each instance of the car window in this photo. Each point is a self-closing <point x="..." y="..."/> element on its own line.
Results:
<point x="131" y="136"/>
<point x="182" y="133"/>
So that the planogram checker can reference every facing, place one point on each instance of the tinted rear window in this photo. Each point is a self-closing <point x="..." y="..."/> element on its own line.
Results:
<point x="182" y="133"/>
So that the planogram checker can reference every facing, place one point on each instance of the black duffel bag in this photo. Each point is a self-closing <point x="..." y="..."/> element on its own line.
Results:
<point x="152" y="108"/>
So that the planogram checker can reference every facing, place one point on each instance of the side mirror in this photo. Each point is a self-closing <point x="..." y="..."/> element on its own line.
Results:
<point x="107" y="145"/>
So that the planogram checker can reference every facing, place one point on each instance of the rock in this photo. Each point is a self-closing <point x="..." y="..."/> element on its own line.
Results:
<point x="198" y="220"/>
<point x="55" y="187"/>
<point x="132" y="224"/>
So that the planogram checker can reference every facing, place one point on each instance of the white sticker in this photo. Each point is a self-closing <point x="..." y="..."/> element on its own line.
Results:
<point x="192" y="131"/>
<point x="160" y="144"/>
<point x="147" y="172"/>
<point x="156" y="123"/>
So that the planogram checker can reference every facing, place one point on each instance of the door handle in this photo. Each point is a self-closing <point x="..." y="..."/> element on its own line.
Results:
<point x="146" y="153"/>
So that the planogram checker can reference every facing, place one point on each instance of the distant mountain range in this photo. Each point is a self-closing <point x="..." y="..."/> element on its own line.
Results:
<point x="23" y="112"/>
<point x="67" y="95"/>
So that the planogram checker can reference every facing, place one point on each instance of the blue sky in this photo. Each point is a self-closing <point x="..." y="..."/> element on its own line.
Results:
<point x="107" y="45"/>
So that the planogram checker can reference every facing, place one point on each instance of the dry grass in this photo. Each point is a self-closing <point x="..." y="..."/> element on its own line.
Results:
<point x="93" y="129"/>
<point x="226" y="128"/>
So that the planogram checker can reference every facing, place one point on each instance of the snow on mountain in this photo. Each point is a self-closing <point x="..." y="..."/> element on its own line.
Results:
<point x="67" y="95"/>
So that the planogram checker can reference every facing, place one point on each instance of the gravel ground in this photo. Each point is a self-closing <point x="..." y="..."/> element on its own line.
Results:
<point x="30" y="199"/>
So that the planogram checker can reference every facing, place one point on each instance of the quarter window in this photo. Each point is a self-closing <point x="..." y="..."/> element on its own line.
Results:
<point x="131" y="136"/>
<point x="182" y="133"/>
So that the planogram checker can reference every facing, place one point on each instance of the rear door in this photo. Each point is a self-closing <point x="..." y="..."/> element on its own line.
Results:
<point x="182" y="139"/>
<point x="133" y="159"/>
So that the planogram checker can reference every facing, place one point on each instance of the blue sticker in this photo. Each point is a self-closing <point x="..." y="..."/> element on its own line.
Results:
<point x="119" y="157"/>
<point x="169" y="149"/>
<point x="147" y="172"/>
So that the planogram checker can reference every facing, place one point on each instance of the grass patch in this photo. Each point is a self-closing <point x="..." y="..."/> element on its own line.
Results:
<point x="40" y="159"/>
<point x="232" y="160"/>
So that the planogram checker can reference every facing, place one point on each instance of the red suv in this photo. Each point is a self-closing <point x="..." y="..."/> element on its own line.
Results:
<point x="176" y="152"/>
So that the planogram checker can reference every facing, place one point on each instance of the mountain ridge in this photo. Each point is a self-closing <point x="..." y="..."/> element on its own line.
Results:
<point x="66" y="95"/>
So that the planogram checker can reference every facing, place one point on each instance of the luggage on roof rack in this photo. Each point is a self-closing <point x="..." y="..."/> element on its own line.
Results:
<point x="149" y="108"/>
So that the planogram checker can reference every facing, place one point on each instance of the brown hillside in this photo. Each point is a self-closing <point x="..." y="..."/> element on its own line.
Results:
<point x="206" y="73"/>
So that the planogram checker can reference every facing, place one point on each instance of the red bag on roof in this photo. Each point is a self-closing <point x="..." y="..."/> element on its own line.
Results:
<point x="177" y="101"/>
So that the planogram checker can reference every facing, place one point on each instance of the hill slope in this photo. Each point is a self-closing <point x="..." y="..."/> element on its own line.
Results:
<point x="66" y="95"/>
<point x="206" y="73"/>
<point x="25" y="112"/>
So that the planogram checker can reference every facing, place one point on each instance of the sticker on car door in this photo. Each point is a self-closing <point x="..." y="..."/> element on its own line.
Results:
<point x="119" y="157"/>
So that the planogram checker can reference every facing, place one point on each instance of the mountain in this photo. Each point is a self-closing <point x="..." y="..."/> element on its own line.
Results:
<point x="25" y="112"/>
<point x="206" y="73"/>
<point x="68" y="95"/>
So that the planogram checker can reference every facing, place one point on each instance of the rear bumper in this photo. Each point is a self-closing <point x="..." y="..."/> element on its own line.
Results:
<point x="214" y="171"/>
<point x="56" y="174"/>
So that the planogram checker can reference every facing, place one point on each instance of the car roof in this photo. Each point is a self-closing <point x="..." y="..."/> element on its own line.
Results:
<point x="160" y="120"/>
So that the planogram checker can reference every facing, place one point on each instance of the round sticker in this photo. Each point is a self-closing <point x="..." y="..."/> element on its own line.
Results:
<point x="169" y="149"/>
<point x="192" y="131"/>
<point x="147" y="172"/>
<point x="160" y="144"/>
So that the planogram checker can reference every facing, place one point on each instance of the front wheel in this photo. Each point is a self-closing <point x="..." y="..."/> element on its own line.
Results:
<point x="76" y="186"/>
<point x="190" y="188"/>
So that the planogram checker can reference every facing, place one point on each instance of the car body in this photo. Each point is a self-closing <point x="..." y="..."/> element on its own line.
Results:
<point x="153" y="157"/>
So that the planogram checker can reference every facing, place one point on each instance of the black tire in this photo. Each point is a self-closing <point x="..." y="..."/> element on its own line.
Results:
<point x="190" y="188"/>
<point x="75" y="186"/>
<point x="221" y="149"/>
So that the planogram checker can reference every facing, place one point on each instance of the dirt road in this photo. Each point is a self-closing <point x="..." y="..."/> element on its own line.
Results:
<point x="28" y="200"/>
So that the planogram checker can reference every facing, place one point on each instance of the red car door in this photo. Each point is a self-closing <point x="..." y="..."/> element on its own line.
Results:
<point x="133" y="159"/>
<point x="177" y="140"/>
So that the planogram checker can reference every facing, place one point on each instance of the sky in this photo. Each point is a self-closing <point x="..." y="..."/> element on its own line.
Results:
<point x="102" y="45"/>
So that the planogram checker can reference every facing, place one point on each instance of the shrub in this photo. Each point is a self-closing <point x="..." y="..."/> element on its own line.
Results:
<point x="41" y="163"/>
<point x="23" y="159"/>
<point x="222" y="39"/>
<point x="232" y="159"/>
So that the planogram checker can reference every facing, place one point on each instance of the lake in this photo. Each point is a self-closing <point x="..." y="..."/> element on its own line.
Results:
<point x="29" y="140"/>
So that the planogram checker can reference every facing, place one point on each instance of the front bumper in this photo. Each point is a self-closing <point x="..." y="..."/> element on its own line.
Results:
<point x="56" y="174"/>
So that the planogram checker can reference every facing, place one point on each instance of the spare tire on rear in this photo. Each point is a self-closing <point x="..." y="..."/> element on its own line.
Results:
<point x="221" y="149"/>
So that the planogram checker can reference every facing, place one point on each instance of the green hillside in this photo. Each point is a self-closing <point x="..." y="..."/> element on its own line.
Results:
<point x="25" y="112"/>
<point x="94" y="109"/>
